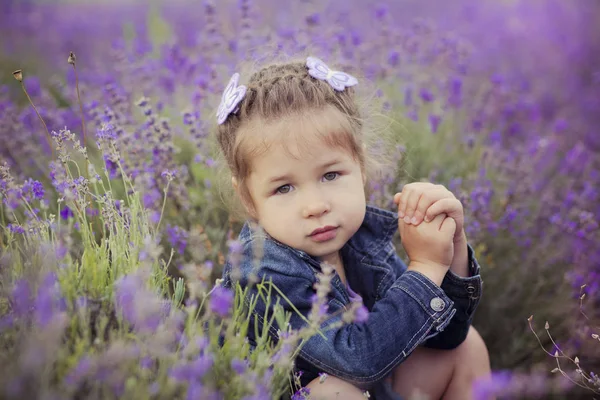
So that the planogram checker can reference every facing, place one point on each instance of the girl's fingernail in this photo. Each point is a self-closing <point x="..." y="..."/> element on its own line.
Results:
<point x="413" y="220"/>
<point x="400" y="214"/>
<point x="407" y="220"/>
<point x="426" y="219"/>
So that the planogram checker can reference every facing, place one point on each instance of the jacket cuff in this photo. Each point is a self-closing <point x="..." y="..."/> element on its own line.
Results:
<point x="465" y="291"/>
<point x="432" y="299"/>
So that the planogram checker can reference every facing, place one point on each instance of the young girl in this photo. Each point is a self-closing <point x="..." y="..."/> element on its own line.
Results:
<point x="293" y="140"/>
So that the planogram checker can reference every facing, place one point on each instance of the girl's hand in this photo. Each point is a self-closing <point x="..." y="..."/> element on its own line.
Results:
<point x="429" y="246"/>
<point x="422" y="201"/>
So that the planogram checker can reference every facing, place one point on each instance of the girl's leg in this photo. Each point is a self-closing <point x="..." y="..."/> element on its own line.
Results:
<point x="334" y="388"/>
<point x="443" y="374"/>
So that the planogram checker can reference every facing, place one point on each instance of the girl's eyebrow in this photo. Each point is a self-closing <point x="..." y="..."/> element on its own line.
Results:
<point x="279" y="178"/>
<point x="330" y="163"/>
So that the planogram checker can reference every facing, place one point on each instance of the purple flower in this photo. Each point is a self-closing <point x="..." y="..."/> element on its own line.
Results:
<point x="146" y="362"/>
<point x="239" y="366"/>
<point x="126" y="288"/>
<point x="201" y="365"/>
<point x="12" y="199"/>
<point x="393" y="58"/>
<point x="140" y="307"/>
<point x="408" y="97"/>
<point x="361" y="315"/>
<point x="16" y="228"/>
<point x="46" y="300"/>
<point x="235" y="247"/>
<point x="413" y="114"/>
<point x="111" y="166"/>
<point x="381" y="11"/>
<point x="434" y="122"/>
<point x="313" y="19"/>
<point x="177" y="238"/>
<point x="21" y="297"/>
<point x="79" y="372"/>
<point x="33" y="187"/>
<point x="66" y="213"/>
<point x="180" y="372"/>
<point x="283" y="352"/>
<point x="154" y="388"/>
<point x="489" y="388"/>
<point x="188" y="118"/>
<point x="195" y="391"/>
<point x="6" y="322"/>
<point x="221" y="300"/>
<point x="38" y="190"/>
<point x="456" y="84"/>
<point x="323" y="307"/>
<point x="301" y="394"/>
<point x="426" y="95"/>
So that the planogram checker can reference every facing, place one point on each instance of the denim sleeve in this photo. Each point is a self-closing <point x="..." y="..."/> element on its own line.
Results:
<point x="361" y="353"/>
<point x="465" y="292"/>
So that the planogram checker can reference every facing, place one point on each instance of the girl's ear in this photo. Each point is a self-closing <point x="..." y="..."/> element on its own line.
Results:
<point x="246" y="202"/>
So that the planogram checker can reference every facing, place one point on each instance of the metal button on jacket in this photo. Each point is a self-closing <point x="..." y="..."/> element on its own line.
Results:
<point x="437" y="304"/>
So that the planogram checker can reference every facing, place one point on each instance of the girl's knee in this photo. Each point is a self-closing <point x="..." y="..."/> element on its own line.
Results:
<point x="334" y="388"/>
<point x="474" y="350"/>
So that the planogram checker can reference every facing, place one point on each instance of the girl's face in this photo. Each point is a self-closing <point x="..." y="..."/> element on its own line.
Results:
<point x="311" y="197"/>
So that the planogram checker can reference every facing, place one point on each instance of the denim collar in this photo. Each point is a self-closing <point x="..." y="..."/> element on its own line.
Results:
<point x="376" y="231"/>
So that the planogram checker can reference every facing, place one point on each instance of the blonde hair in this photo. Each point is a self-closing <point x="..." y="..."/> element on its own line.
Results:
<point x="285" y="90"/>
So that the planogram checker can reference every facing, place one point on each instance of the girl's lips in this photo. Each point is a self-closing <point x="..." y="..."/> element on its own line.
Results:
<point x="323" y="229"/>
<point x="324" y="234"/>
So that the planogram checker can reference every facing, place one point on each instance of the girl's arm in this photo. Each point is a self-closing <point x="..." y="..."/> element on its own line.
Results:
<point x="465" y="291"/>
<point x="412" y="310"/>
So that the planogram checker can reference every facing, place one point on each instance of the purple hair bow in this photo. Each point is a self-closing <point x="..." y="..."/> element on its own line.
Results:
<point x="232" y="96"/>
<point x="337" y="79"/>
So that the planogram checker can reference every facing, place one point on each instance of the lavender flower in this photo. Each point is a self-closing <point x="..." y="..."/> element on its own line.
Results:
<point x="221" y="300"/>
<point x="16" y="229"/>
<point x="177" y="237"/>
<point x="21" y="301"/>
<point x="301" y="394"/>
<point x="66" y="213"/>
<point x="239" y="366"/>
<point x="47" y="302"/>
<point x="79" y="372"/>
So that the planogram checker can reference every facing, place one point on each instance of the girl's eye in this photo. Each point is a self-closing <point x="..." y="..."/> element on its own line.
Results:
<point x="330" y="176"/>
<point x="283" y="189"/>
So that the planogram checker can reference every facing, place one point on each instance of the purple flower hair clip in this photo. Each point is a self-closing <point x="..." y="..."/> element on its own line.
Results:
<point x="232" y="96"/>
<point x="337" y="79"/>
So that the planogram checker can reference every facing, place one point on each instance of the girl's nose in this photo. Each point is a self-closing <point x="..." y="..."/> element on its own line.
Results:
<point x="316" y="209"/>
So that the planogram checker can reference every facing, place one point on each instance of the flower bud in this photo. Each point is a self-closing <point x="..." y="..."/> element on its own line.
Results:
<point x="18" y="74"/>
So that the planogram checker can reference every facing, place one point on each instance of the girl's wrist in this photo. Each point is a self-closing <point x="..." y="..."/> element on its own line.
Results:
<point x="461" y="238"/>
<point x="434" y="271"/>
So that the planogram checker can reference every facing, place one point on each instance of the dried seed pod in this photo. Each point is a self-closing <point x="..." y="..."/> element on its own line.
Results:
<point x="18" y="74"/>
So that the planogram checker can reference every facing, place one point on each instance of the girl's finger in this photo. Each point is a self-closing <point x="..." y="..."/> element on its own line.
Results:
<point x="448" y="226"/>
<point x="426" y="200"/>
<point x="452" y="207"/>
<point x="411" y="205"/>
<point x="402" y="201"/>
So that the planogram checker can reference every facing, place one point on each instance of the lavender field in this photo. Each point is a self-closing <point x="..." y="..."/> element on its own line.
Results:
<point x="114" y="227"/>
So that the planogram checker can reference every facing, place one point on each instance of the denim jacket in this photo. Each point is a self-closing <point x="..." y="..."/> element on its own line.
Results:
<point x="406" y="309"/>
